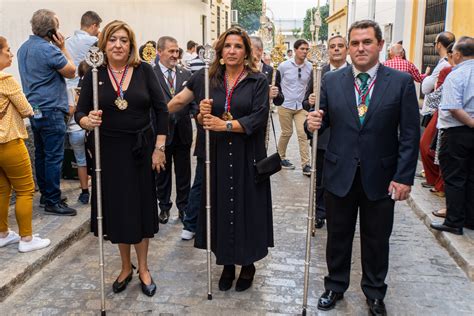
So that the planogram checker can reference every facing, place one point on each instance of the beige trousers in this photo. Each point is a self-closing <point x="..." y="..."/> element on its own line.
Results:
<point x="287" y="117"/>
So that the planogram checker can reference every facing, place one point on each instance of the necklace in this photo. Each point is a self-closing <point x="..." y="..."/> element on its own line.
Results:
<point x="120" y="102"/>
<point x="229" y="90"/>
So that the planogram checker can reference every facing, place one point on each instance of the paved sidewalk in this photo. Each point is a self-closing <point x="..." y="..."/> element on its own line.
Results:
<point x="63" y="231"/>
<point x="461" y="248"/>
<point x="423" y="278"/>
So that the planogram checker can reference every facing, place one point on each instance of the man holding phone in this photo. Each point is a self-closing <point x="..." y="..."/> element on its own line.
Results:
<point x="44" y="62"/>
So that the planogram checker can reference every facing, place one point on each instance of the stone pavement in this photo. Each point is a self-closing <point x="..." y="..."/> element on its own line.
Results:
<point x="461" y="248"/>
<point x="61" y="230"/>
<point x="423" y="278"/>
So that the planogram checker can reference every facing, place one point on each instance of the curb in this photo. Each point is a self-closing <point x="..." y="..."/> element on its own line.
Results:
<point x="453" y="243"/>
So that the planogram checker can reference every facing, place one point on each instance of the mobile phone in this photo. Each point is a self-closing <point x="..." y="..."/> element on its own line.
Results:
<point x="50" y="34"/>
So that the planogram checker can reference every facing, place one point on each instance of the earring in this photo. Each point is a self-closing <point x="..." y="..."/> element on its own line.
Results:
<point x="221" y="61"/>
<point x="246" y="62"/>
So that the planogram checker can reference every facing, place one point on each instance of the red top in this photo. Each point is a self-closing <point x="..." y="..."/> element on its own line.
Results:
<point x="404" y="65"/>
<point x="442" y="75"/>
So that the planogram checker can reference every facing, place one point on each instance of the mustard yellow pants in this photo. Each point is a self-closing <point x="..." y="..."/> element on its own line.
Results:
<point x="16" y="174"/>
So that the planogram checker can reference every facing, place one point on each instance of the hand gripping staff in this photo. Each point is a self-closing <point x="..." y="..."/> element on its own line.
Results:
<point x="95" y="58"/>
<point x="318" y="56"/>
<point x="207" y="56"/>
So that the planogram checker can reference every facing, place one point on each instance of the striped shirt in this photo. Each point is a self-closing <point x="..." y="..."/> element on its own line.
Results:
<point x="458" y="93"/>
<point x="195" y="64"/>
<point x="404" y="65"/>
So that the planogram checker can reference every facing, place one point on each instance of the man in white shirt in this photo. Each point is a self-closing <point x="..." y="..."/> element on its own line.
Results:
<point x="443" y="40"/>
<point x="295" y="74"/>
<point x="190" y="53"/>
<point x="78" y="45"/>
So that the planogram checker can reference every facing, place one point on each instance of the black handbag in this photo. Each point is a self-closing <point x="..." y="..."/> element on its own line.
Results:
<point x="270" y="165"/>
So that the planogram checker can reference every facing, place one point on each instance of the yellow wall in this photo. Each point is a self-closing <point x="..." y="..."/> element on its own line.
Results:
<point x="413" y="46"/>
<point x="463" y="23"/>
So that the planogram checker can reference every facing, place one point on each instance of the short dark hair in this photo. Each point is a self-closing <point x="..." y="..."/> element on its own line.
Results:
<point x="365" y="24"/>
<point x="299" y="42"/>
<point x="290" y="50"/>
<point x="89" y="18"/>
<point x="445" y="38"/>
<point x="199" y="49"/>
<point x="83" y="68"/>
<point x="465" y="45"/>
<point x="191" y="45"/>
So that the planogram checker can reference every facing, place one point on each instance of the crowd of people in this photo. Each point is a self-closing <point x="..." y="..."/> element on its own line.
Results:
<point x="368" y="128"/>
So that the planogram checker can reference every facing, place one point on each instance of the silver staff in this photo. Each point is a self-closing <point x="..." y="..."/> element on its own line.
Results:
<point x="318" y="56"/>
<point x="95" y="58"/>
<point x="207" y="55"/>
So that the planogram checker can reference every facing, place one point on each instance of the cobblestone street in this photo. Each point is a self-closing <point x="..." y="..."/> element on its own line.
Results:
<point x="423" y="279"/>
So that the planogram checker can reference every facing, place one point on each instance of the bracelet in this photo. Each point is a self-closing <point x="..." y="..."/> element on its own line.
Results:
<point x="160" y="148"/>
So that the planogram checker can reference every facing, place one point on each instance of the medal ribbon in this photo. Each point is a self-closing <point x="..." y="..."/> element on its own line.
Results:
<point x="119" y="85"/>
<point x="228" y="94"/>
<point x="170" y="81"/>
<point x="364" y="96"/>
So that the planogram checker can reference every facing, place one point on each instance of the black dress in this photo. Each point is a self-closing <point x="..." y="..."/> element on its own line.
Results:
<point x="126" y="138"/>
<point x="241" y="210"/>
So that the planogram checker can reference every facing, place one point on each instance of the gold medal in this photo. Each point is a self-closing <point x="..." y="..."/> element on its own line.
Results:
<point x="362" y="109"/>
<point x="122" y="104"/>
<point x="226" y="116"/>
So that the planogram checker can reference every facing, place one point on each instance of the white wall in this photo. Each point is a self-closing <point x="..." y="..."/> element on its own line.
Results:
<point x="150" y="19"/>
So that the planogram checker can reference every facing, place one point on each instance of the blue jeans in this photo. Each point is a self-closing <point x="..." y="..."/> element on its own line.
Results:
<point x="194" y="200"/>
<point x="49" y="132"/>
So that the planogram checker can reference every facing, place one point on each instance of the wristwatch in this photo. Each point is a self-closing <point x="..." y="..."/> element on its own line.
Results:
<point x="228" y="126"/>
<point x="160" y="148"/>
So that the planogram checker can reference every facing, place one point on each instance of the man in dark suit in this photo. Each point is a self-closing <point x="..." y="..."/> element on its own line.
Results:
<point x="370" y="162"/>
<point x="178" y="143"/>
<point x="337" y="60"/>
<point x="275" y="91"/>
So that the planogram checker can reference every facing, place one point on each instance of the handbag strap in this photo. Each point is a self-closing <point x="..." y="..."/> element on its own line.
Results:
<point x="274" y="133"/>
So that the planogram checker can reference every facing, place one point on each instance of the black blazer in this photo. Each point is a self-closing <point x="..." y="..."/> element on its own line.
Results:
<point x="179" y="122"/>
<point x="268" y="72"/>
<point x="385" y="146"/>
<point x="323" y="139"/>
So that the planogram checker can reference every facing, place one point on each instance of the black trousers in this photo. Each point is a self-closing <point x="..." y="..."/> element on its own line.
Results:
<point x="376" y="222"/>
<point x="456" y="158"/>
<point x="320" y="206"/>
<point x="181" y="156"/>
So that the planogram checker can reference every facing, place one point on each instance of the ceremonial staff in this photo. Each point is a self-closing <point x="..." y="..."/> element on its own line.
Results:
<point x="207" y="56"/>
<point x="318" y="56"/>
<point x="95" y="58"/>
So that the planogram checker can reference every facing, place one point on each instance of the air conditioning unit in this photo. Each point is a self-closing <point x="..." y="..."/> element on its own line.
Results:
<point x="234" y="17"/>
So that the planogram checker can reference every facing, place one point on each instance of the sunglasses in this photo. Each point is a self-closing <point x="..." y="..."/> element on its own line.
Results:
<point x="299" y="73"/>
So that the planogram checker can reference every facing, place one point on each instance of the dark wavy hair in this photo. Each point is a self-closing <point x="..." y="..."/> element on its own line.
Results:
<point x="216" y="70"/>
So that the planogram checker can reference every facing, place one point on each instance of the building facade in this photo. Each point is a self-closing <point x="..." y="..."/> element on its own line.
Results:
<point x="220" y="17"/>
<point x="338" y="18"/>
<point x="198" y="20"/>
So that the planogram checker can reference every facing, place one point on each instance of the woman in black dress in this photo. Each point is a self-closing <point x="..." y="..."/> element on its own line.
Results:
<point x="236" y="116"/>
<point x="128" y="90"/>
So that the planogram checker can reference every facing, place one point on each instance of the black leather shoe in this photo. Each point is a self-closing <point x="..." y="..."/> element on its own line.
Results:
<point x="61" y="209"/>
<point x="118" y="287"/>
<point x="377" y="307"/>
<point x="445" y="228"/>
<point x="164" y="217"/>
<point x="150" y="289"/>
<point x="328" y="300"/>
<point x="227" y="277"/>
<point x="319" y="223"/>
<point x="245" y="278"/>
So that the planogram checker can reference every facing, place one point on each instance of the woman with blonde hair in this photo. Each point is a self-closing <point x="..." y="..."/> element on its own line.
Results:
<point x="236" y="116"/>
<point x="128" y="91"/>
<point x="15" y="164"/>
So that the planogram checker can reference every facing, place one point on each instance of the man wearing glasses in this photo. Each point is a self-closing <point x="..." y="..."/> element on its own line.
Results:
<point x="295" y="74"/>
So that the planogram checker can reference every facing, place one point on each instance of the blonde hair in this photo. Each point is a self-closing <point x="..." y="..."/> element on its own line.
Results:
<point x="109" y="30"/>
<point x="216" y="70"/>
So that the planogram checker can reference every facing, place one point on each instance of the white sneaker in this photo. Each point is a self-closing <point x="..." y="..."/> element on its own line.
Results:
<point x="187" y="235"/>
<point x="35" y="244"/>
<point x="11" y="238"/>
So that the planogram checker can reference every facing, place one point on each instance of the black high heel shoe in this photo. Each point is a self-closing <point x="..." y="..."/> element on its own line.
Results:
<point x="245" y="278"/>
<point x="148" y="290"/>
<point x="118" y="287"/>
<point x="227" y="277"/>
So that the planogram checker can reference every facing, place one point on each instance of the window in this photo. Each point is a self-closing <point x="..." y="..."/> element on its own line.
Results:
<point x="218" y="22"/>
